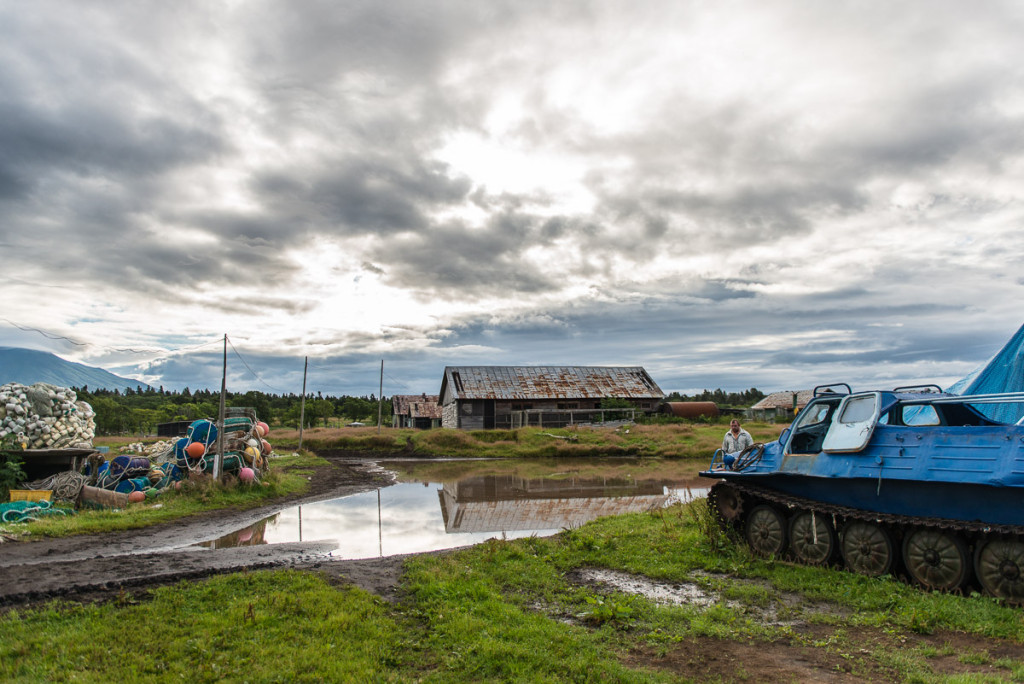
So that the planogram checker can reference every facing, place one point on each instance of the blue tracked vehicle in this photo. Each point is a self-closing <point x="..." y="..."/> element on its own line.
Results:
<point x="912" y="479"/>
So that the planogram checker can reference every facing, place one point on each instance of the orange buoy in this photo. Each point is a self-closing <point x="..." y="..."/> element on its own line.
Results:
<point x="137" y="496"/>
<point x="266" y="446"/>
<point x="195" y="450"/>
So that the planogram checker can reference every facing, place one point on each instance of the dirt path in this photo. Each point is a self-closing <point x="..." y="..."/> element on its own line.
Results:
<point x="89" y="567"/>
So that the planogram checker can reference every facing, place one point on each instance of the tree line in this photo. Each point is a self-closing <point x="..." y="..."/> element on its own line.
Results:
<point x="744" y="399"/>
<point x="139" y="411"/>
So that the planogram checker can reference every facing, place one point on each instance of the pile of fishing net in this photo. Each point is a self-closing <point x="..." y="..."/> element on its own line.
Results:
<point x="246" y="452"/>
<point x="24" y="511"/>
<point x="45" y="416"/>
<point x="165" y="464"/>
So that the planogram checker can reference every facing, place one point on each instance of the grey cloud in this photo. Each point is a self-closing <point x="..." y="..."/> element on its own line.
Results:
<point x="453" y="260"/>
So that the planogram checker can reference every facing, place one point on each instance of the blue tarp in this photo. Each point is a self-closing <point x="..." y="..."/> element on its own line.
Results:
<point x="1003" y="373"/>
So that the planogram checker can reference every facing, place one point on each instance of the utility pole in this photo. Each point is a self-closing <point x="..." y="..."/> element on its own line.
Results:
<point x="380" y="396"/>
<point x="218" y="462"/>
<point x="302" y="404"/>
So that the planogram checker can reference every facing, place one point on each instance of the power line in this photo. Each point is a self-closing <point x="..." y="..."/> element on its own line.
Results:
<point x="54" y="336"/>
<point x="45" y="334"/>
<point x="254" y="373"/>
<point x="397" y="382"/>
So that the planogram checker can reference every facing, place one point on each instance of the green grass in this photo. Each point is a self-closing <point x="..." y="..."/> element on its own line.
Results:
<point x="507" y="611"/>
<point x="283" y="626"/>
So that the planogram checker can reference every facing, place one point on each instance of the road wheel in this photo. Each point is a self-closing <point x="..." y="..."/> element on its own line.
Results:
<point x="999" y="564"/>
<point x="812" y="539"/>
<point x="766" y="531"/>
<point x="936" y="559"/>
<point x="867" y="548"/>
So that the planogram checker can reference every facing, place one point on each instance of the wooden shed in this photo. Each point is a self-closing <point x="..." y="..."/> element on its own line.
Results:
<point x="488" y="397"/>
<point x="415" y="411"/>
<point x="780" y="405"/>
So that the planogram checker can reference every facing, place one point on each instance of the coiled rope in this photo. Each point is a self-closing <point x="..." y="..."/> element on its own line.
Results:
<point x="66" y="486"/>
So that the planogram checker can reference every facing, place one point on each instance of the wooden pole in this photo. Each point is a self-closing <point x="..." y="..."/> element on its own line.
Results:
<point x="302" y="404"/>
<point x="380" y="396"/>
<point x="218" y="462"/>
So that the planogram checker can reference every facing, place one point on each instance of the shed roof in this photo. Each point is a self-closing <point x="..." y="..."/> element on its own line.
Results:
<point x="416" y="405"/>
<point x="784" y="400"/>
<point x="549" y="382"/>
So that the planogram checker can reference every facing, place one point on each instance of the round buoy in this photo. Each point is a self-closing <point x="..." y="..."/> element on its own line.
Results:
<point x="151" y="492"/>
<point x="136" y="497"/>
<point x="195" y="450"/>
<point x="266" y="446"/>
<point x="246" y="474"/>
<point x="250" y="453"/>
<point x="262" y="428"/>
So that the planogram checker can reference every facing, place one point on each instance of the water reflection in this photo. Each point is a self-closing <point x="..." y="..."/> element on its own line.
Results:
<point x="500" y="503"/>
<point x="253" y="535"/>
<point x="470" y="503"/>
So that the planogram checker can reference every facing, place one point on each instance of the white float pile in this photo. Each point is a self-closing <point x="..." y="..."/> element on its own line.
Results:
<point x="45" y="416"/>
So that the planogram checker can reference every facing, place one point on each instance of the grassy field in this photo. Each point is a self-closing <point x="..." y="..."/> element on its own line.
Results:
<point x="670" y="440"/>
<point x="523" y="610"/>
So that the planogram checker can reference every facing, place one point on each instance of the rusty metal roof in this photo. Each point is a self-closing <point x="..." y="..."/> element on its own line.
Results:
<point x="549" y="382"/>
<point x="784" y="400"/>
<point x="416" y="405"/>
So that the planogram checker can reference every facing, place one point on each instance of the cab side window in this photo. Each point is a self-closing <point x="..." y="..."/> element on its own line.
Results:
<point x="920" y="415"/>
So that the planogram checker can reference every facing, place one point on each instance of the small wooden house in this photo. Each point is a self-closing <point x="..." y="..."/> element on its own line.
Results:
<point x="489" y="397"/>
<point x="415" y="411"/>
<point x="780" y="405"/>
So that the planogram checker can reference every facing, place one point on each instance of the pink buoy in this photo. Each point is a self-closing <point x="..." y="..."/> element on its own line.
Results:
<point x="246" y="474"/>
<point x="195" y="450"/>
<point x="266" y="446"/>
<point x="136" y="497"/>
<point x="262" y="428"/>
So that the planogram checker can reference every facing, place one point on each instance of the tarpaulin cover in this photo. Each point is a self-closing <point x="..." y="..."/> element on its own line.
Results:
<point x="1003" y="373"/>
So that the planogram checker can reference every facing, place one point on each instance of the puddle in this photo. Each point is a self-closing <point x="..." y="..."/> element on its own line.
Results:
<point x="427" y="515"/>
<point x="786" y="609"/>
<point x="676" y="593"/>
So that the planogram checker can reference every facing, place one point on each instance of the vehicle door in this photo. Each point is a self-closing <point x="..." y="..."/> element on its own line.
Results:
<point x="854" y="423"/>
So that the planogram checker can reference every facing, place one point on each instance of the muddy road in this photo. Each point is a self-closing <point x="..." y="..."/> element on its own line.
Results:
<point x="93" y="567"/>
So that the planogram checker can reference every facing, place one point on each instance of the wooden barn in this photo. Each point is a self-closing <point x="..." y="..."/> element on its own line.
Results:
<point x="415" y="411"/>
<point x="505" y="397"/>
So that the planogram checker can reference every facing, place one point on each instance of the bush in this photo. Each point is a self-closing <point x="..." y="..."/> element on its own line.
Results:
<point x="492" y="436"/>
<point x="11" y="473"/>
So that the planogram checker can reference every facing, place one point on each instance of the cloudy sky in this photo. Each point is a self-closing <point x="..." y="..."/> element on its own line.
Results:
<point x="732" y="194"/>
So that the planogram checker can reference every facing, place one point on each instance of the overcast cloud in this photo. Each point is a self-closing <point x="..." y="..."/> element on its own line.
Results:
<point x="732" y="194"/>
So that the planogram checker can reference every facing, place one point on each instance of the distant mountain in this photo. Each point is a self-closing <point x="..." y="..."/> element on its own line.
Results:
<point x="27" y="366"/>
